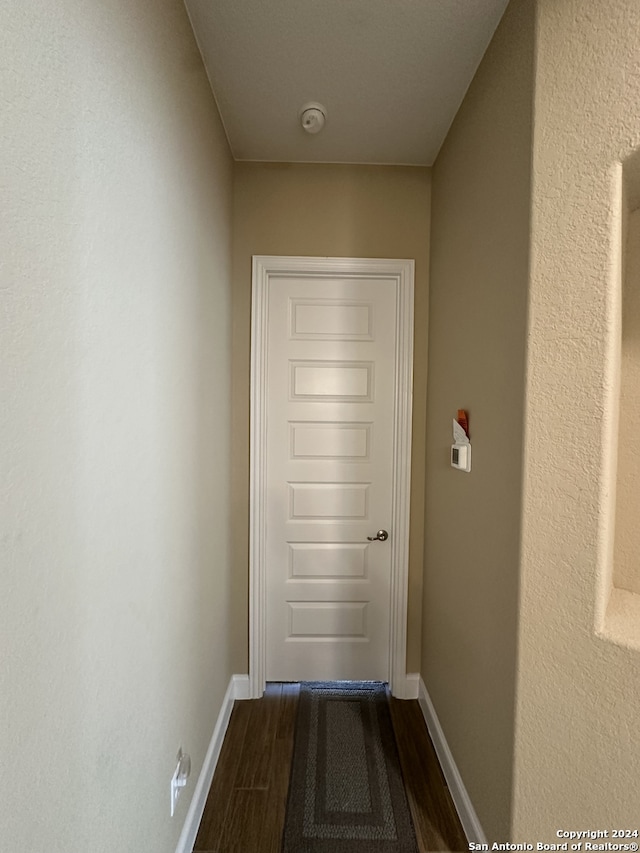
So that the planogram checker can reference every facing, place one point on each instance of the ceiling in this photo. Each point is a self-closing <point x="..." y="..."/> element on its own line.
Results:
<point x="390" y="73"/>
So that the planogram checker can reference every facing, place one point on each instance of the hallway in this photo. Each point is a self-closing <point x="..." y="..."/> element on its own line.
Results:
<point x="130" y="221"/>
<point x="246" y="806"/>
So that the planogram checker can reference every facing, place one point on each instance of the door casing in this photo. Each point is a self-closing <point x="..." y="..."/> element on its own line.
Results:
<point x="401" y="272"/>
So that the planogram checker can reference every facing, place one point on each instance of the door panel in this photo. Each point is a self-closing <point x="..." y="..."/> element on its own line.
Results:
<point x="327" y="561"/>
<point x="331" y="353"/>
<point x="344" y="442"/>
<point x="331" y="380"/>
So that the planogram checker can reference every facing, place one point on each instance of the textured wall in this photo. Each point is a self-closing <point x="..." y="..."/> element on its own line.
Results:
<point x="578" y="745"/>
<point x="114" y="423"/>
<point x="478" y="293"/>
<point x="343" y="211"/>
<point x="626" y="573"/>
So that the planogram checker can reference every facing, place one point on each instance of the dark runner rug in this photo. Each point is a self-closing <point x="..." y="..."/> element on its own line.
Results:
<point x="346" y="793"/>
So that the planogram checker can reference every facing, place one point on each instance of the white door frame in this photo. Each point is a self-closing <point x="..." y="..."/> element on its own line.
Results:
<point x="402" y="272"/>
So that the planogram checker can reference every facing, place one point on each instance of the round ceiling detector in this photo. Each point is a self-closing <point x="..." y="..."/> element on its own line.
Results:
<point x="313" y="117"/>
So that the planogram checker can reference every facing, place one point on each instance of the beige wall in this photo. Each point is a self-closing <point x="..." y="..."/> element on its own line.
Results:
<point x="626" y="573"/>
<point x="342" y="211"/>
<point x="478" y="292"/>
<point x="578" y="746"/>
<point x="114" y="424"/>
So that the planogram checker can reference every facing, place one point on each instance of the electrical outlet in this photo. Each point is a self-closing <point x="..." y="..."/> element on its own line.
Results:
<point x="175" y="789"/>
<point x="179" y="778"/>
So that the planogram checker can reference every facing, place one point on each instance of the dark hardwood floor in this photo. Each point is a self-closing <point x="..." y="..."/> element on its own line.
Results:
<point x="435" y="819"/>
<point x="245" y="808"/>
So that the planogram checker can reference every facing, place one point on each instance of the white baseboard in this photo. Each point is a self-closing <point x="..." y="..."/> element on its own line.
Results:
<point x="406" y="688"/>
<point x="238" y="689"/>
<point x="461" y="799"/>
<point x="412" y="685"/>
<point x="241" y="688"/>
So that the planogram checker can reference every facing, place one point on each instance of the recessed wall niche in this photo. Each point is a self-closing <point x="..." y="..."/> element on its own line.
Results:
<point x="626" y="568"/>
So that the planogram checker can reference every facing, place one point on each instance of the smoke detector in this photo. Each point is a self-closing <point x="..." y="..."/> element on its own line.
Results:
<point x="313" y="117"/>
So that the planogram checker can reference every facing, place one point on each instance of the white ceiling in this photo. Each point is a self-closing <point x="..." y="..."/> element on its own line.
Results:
<point x="391" y="73"/>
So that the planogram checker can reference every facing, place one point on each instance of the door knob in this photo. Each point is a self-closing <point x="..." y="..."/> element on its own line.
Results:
<point x="381" y="536"/>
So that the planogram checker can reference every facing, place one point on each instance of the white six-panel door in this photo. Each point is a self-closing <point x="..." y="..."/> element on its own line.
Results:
<point x="330" y="446"/>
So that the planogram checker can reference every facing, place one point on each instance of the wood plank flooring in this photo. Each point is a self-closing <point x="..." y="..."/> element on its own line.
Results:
<point x="245" y="809"/>
<point x="435" y="819"/>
